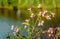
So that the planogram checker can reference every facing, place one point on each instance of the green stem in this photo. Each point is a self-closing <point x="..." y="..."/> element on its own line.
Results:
<point x="34" y="29"/>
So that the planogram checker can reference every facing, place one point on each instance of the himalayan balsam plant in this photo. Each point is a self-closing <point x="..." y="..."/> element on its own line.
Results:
<point x="31" y="24"/>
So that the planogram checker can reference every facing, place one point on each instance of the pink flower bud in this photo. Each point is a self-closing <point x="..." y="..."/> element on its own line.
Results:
<point x="29" y="9"/>
<point x="32" y="15"/>
<point x="39" y="6"/>
<point x="49" y="31"/>
<point x="17" y="30"/>
<point x="48" y="17"/>
<point x="42" y="14"/>
<point x="49" y="35"/>
<point x="45" y="11"/>
<point x="40" y="23"/>
<point x="52" y="31"/>
<point x="50" y="28"/>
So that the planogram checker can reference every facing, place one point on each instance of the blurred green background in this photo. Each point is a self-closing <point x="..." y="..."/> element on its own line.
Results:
<point x="8" y="8"/>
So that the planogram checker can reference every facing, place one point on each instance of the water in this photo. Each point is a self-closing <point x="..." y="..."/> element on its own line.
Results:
<point x="5" y="25"/>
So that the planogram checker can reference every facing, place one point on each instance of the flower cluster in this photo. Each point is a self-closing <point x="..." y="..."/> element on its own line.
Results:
<point x="44" y="13"/>
<point x="15" y="29"/>
<point x="50" y="31"/>
<point x="39" y="6"/>
<point x="41" y="23"/>
<point x="32" y="15"/>
<point x="37" y="20"/>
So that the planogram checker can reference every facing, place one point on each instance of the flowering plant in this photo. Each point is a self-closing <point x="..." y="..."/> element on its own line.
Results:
<point x="37" y="20"/>
<point x="33" y="24"/>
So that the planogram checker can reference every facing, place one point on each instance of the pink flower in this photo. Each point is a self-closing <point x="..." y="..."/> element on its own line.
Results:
<point x="50" y="28"/>
<point x="44" y="12"/>
<point x="32" y="15"/>
<point x="29" y="9"/>
<point x="17" y="30"/>
<point x="39" y="6"/>
<point x="53" y="14"/>
<point x="48" y="17"/>
<point x="49" y="35"/>
<point x="27" y="20"/>
<point x="51" y="31"/>
<point x="40" y="23"/>
<point x="48" y="31"/>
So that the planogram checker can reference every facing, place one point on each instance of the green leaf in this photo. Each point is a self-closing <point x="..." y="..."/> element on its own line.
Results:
<point x="25" y="23"/>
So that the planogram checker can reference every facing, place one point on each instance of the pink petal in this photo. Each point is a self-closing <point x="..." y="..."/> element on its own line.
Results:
<point x="29" y="9"/>
<point x="49" y="31"/>
<point x="32" y="15"/>
<point x="17" y="30"/>
<point x="39" y="24"/>
<point x="49" y="35"/>
<point x="48" y="17"/>
<point x="39" y="6"/>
